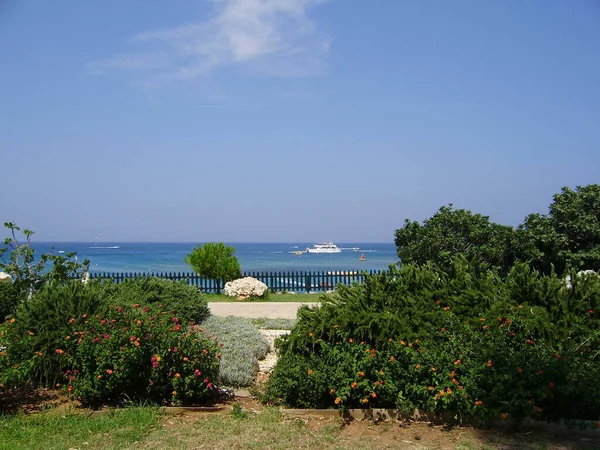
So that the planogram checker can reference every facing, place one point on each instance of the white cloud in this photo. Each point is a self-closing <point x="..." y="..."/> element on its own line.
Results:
<point x="262" y="37"/>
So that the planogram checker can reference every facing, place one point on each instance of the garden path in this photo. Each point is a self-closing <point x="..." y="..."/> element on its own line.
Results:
<point x="268" y="310"/>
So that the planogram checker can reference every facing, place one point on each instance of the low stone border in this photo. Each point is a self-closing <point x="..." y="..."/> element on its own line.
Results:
<point x="582" y="427"/>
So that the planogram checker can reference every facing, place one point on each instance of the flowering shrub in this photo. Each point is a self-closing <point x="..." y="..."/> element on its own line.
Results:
<point x="138" y="353"/>
<point x="482" y="350"/>
<point x="71" y="336"/>
<point x="190" y="303"/>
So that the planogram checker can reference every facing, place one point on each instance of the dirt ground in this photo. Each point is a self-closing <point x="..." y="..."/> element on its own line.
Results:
<point x="348" y="434"/>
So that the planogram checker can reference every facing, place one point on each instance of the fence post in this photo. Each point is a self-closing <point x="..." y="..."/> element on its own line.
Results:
<point x="307" y="282"/>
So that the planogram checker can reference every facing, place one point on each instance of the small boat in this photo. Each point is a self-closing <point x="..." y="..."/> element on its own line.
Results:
<point x="325" y="247"/>
<point x="298" y="253"/>
<point x="362" y="257"/>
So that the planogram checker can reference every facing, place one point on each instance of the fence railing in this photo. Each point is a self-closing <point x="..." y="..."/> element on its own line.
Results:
<point x="299" y="281"/>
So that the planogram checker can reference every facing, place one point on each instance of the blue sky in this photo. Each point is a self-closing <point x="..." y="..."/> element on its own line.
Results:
<point x="290" y="120"/>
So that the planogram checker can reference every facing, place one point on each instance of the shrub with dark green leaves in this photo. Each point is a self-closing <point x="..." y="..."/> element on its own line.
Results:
<point x="464" y="341"/>
<point x="188" y="301"/>
<point x="9" y="300"/>
<point x="138" y="353"/>
<point x="40" y="325"/>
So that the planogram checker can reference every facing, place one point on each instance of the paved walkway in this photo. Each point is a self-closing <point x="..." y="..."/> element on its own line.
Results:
<point x="268" y="310"/>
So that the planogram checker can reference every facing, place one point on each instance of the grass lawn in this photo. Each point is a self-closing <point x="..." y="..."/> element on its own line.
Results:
<point x="271" y="298"/>
<point x="254" y="428"/>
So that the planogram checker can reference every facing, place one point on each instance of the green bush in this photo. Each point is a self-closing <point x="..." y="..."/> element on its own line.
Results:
<point x="40" y="326"/>
<point x="9" y="300"/>
<point x="243" y="346"/>
<point x="138" y="353"/>
<point x="526" y="346"/>
<point x="188" y="301"/>
<point x="64" y="327"/>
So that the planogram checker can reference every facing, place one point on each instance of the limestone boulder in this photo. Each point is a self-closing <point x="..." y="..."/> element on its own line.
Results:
<point x="245" y="287"/>
<point x="581" y="273"/>
<point x="5" y="277"/>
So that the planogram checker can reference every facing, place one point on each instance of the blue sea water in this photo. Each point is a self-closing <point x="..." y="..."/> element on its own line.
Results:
<point x="253" y="257"/>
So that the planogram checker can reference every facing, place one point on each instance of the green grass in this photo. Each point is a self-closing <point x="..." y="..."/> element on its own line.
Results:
<point x="271" y="298"/>
<point x="152" y="428"/>
<point x="53" y="430"/>
<point x="273" y="324"/>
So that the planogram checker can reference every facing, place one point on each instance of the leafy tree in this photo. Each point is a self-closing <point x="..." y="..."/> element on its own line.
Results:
<point x="451" y="232"/>
<point x="18" y="259"/>
<point x="215" y="261"/>
<point x="569" y="236"/>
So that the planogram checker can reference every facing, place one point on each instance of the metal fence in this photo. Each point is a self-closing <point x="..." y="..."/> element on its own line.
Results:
<point x="276" y="281"/>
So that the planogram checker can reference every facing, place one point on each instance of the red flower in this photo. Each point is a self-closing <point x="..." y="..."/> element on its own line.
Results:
<point x="530" y="342"/>
<point x="109" y="372"/>
<point x="70" y="389"/>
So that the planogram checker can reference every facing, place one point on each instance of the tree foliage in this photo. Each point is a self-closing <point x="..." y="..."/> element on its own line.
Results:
<point x="568" y="237"/>
<point x="215" y="261"/>
<point x="451" y="232"/>
<point x="17" y="258"/>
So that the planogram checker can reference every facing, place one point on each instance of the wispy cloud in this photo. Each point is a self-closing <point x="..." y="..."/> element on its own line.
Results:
<point x="259" y="37"/>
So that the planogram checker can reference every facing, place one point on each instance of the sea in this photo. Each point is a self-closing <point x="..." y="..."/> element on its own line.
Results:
<point x="253" y="257"/>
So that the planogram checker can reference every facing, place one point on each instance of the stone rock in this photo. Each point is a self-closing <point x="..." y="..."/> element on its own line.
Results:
<point x="581" y="273"/>
<point x="5" y="277"/>
<point x="245" y="287"/>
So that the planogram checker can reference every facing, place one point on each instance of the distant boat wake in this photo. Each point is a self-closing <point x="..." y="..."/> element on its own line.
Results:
<point x="113" y="246"/>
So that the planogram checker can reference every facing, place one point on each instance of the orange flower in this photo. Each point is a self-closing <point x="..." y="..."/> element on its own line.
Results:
<point x="433" y="369"/>
<point x="454" y="380"/>
<point x="529" y="341"/>
<point x="351" y="340"/>
<point x="365" y="400"/>
<point x="402" y="342"/>
<point x="390" y="340"/>
<point x="174" y="392"/>
<point x="443" y="329"/>
<point x="482" y="319"/>
<point x="59" y="351"/>
<point x="310" y="335"/>
<point x="381" y="372"/>
<point x="489" y="363"/>
<point x="331" y="391"/>
<point x="430" y="388"/>
<point x="485" y="327"/>
<point x="441" y="393"/>
<point x="136" y="343"/>
<point x="410" y="344"/>
<point x="457" y="362"/>
<point x="337" y="400"/>
<point x="177" y="375"/>
<point x="185" y="359"/>
<point x="309" y="371"/>
<point x="361" y="374"/>
<point x="452" y="374"/>
<point x="373" y="394"/>
<point x="418" y="366"/>
<point x="392" y="359"/>
<point x="449" y="391"/>
<point x="520" y="306"/>
<point x="67" y="338"/>
<point x="416" y="341"/>
<point x="109" y="372"/>
<point x="478" y="403"/>
<point x="354" y="384"/>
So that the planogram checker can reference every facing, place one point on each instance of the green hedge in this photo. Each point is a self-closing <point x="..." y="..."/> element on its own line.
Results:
<point x="525" y="346"/>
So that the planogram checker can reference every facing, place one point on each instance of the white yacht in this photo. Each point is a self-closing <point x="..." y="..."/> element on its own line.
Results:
<point x="325" y="247"/>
